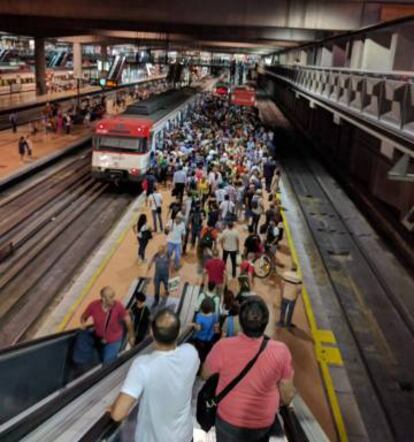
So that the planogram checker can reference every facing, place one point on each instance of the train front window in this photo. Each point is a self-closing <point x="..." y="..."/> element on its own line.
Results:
<point x="122" y="144"/>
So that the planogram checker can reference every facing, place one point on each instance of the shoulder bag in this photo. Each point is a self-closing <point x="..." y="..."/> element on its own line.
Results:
<point x="207" y="400"/>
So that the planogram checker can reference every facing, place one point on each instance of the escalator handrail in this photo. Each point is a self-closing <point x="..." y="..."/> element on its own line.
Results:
<point x="113" y="67"/>
<point x="37" y="341"/>
<point x="34" y="419"/>
<point x="291" y="424"/>
<point x="120" y="68"/>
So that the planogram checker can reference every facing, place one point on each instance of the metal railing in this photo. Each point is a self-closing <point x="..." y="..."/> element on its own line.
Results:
<point x="386" y="98"/>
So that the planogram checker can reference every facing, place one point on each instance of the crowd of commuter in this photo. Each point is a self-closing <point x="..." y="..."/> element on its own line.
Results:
<point x="220" y="169"/>
<point x="219" y="166"/>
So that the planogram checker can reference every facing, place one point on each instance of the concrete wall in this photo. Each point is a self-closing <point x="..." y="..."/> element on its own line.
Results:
<point x="378" y="54"/>
<point x="339" y="56"/>
<point x="404" y="51"/>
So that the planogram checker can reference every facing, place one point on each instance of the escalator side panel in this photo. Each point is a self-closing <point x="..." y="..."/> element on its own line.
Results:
<point x="47" y="364"/>
<point x="35" y="369"/>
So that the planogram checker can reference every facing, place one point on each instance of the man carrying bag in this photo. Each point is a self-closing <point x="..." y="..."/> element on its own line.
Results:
<point x="252" y="374"/>
<point x="208" y="401"/>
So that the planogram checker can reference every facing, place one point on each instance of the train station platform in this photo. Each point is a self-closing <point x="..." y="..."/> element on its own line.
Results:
<point x="44" y="146"/>
<point x="115" y="263"/>
<point x="15" y="100"/>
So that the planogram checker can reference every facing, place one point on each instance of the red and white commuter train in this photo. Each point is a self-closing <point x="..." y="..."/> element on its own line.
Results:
<point x="243" y="96"/>
<point x="124" y="145"/>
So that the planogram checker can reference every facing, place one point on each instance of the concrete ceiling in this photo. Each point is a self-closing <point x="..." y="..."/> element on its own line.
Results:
<point x="250" y="25"/>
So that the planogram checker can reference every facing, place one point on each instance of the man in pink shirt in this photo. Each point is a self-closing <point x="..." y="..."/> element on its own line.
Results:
<point x="247" y="413"/>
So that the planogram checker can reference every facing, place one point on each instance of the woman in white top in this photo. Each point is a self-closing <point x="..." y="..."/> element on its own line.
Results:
<point x="143" y="233"/>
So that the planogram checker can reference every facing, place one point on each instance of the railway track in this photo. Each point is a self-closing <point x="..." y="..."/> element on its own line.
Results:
<point x="47" y="230"/>
<point x="379" y="356"/>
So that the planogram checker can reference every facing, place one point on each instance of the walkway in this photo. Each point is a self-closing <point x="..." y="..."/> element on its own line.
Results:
<point x="43" y="145"/>
<point x="121" y="268"/>
<point x="15" y="100"/>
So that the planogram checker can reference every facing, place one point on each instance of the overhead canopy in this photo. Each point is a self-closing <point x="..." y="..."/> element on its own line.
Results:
<point x="262" y="25"/>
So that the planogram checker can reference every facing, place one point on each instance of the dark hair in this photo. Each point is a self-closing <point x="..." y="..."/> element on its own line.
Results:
<point x="207" y="306"/>
<point x="140" y="296"/>
<point x="230" y="224"/>
<point x="165" y="326"/>
<point x="141" y="221"/>
<point x="251" y="230"/>
<point x="254" y="316"/>
<point x="228" y="299"/>
<point x="211" y="285"/>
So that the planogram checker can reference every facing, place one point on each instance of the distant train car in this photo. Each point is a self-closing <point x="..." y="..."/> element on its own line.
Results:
<point x="221" y="89"/>
<point x="24" y="81"/>
<point x="124" y="146"/>
<point x="243" y="96"/>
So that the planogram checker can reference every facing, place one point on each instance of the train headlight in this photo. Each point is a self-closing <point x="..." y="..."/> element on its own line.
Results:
<point x="134" y="172"/>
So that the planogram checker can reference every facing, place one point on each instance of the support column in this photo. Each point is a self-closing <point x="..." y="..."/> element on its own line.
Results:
<point x="40" y="66"/>
<point x="404" y="46"/>
<point x="77" y="60"/>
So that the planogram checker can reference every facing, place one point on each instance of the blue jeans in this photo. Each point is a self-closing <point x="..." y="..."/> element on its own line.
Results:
<point x="158" y="279"/>
<point x="109" y="352"/>
<point x="175" y="249"/>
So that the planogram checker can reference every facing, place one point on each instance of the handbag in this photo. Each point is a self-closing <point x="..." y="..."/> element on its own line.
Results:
<point x="146" y="235"/>
<point x="207" y="400"/>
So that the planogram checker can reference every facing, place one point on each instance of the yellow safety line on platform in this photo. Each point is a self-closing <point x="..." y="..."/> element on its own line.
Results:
<point x="324" y="355"/>
<point x="62" y="325"/>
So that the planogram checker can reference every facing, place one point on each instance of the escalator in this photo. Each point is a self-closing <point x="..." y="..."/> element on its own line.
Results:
<point x="31" y="371"/>
<point x="4" y="55"/>
<point x="69" y="413"/>
<point x="52" y="59"/>
<point x="63" y="58"/>
<point x="114" y="77"/>
<point x="78" y="411"/>
<point x="58" y="59"/>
